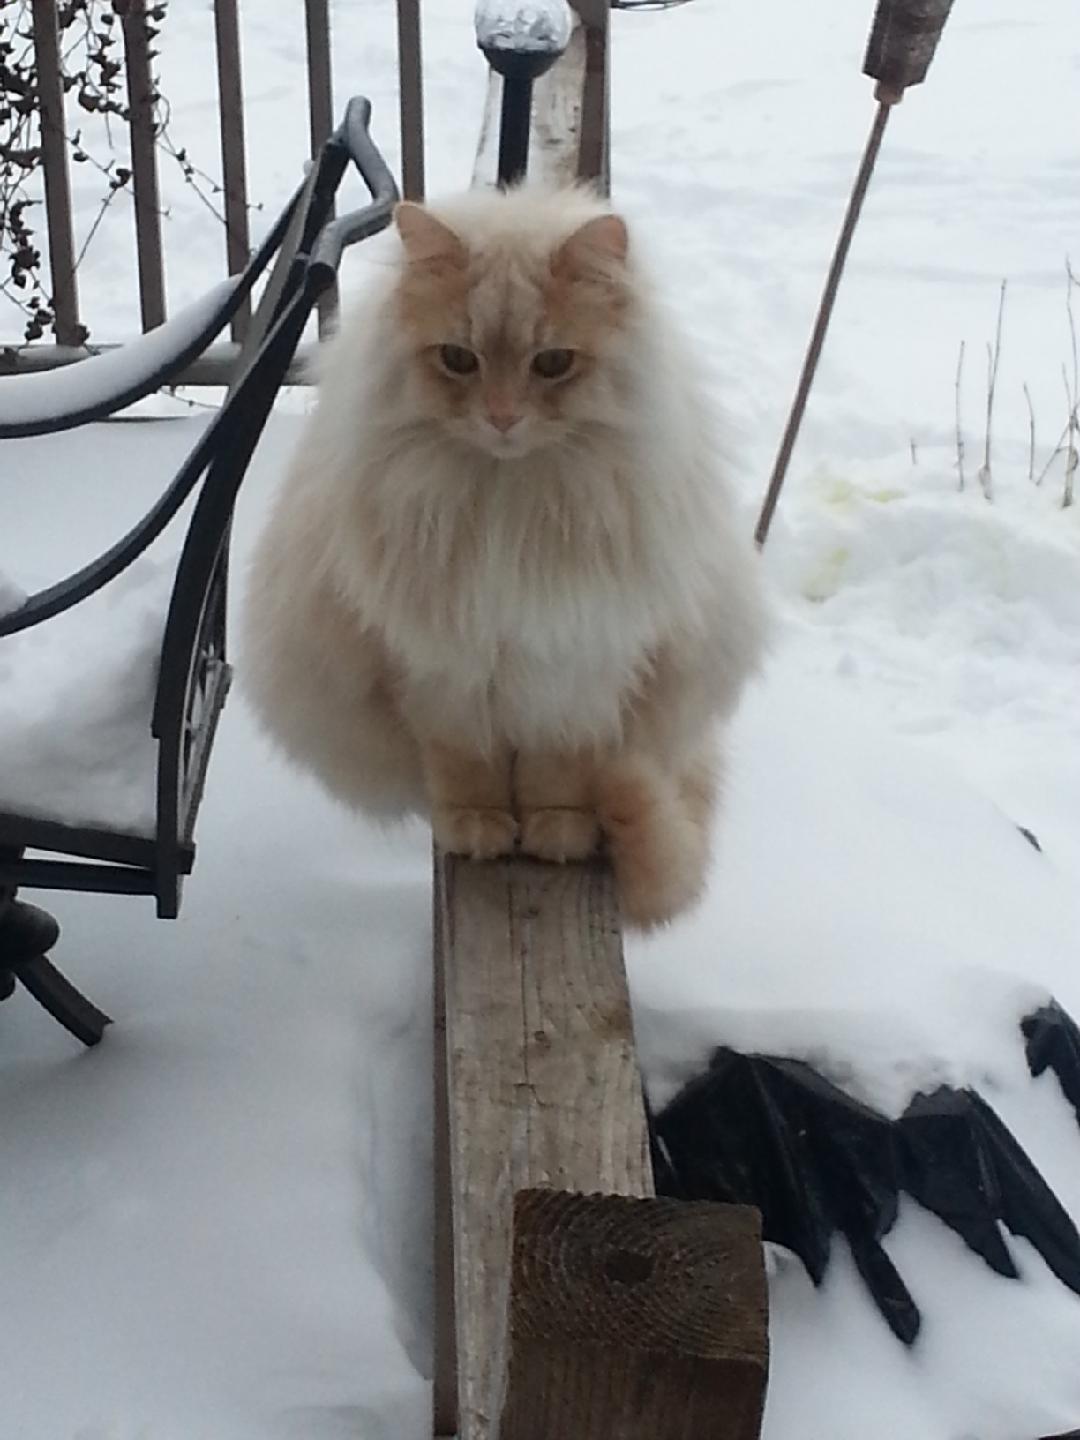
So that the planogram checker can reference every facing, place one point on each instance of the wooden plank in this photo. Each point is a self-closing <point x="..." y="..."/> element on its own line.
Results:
<point x="556" y="121"/>
<point x="645" y="1319"/>
<point x="542" y="1077"/>
<point x="65" y="298"/>
<point x="444" y="1396"/>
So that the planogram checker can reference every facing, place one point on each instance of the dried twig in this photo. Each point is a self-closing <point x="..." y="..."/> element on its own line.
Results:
<point x="1031" y="433"/>
<point x="1070" y="285"/>
<point x="1059" y="449"/>
<point x="1072" y="395"/>
<point x="1072" y="432"/>
<point x="993" y="361"/>
<point x="959" y="416"/>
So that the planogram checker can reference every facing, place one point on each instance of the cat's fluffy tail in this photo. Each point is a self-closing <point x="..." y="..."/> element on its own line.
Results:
<point x="658" y="829"/>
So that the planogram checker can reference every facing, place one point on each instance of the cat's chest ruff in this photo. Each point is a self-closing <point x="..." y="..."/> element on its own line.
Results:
<point x="546" y="576"/>
<point x="494" y="620"/>
<point x="540" y="655"/>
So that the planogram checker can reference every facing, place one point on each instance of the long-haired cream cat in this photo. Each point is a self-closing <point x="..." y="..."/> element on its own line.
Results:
<point x="501" y="585"/>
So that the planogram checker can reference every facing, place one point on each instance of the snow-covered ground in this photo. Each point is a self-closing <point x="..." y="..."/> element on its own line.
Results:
<point x="217" y="1224"/>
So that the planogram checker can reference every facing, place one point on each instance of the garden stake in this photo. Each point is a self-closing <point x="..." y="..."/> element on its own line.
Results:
<point x="901" y="46"/>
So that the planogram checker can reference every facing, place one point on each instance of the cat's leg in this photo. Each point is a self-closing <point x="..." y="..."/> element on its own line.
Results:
<point x="556" y="800"/>
<point x="471" y="798"/>
<point x="657" y="828"/>
<point x="325" y="689"/>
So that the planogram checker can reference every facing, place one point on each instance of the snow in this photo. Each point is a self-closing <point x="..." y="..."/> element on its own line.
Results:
<point x="218" y="1224"/>
<point x="12" y="597"/>
<point x="523" y="24"/>
<point x="77" y="691"/>
<point x="42" y="398"/>
<point x="76" y="697"/>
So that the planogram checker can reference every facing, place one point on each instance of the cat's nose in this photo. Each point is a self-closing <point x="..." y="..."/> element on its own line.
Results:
<point x="503" y="420"/>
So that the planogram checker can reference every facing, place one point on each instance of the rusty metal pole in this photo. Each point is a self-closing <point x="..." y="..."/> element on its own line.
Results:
<point x="902" y="44"/>
<point x="233" y="150"/>
<point x="320" y="79"/>
<point x="141" y="96"/>
<point x="886" y="100"/>
<point x="65" y="295"/>
<point x="411" y="85"/>
<point x="320" y="113"/>
<point x="594" y="153"/>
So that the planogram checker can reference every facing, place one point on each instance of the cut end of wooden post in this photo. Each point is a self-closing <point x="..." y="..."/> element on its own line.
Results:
<point x="903" y="42"/>
<point x="641" y="1318"/>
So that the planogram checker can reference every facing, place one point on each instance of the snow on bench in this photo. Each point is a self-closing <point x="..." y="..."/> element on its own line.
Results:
<point x="107" y="381"/>
<point x="76" y="696"/>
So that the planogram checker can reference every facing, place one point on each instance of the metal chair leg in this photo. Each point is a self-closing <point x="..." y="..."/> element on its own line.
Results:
<point x="27" y="933"/>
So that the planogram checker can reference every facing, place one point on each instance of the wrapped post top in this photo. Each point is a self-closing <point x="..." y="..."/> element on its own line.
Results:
<point x="903" y="41"/>
<point x="528" y="25"/>
<point x="523" y="38"/>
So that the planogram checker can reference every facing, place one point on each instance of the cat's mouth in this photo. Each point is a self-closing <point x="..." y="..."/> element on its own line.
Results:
<point x="515" y="444"/>
<point x="512" y="445"/>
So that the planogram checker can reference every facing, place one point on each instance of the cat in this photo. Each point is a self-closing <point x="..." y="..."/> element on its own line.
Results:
<point x="502" y="584"/>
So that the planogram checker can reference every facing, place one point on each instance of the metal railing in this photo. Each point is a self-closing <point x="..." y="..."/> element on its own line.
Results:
<point x="216" y="366"/>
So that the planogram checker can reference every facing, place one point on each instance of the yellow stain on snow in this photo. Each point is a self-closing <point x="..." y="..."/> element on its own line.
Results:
<point x="841" y="494"/>
<point x="825" y="579"/>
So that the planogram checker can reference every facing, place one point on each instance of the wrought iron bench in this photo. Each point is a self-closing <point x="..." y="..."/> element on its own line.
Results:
<point x="150" y="856"/>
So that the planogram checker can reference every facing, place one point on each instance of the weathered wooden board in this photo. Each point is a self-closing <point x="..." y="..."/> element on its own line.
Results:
<point x="542" y="1078"/>
<point x="642" y="1319"/>
<point x="573" y="1285"/>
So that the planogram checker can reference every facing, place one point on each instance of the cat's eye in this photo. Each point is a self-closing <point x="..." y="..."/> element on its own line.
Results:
<point x="458" y="359"/>
<point x="553" y="364"/>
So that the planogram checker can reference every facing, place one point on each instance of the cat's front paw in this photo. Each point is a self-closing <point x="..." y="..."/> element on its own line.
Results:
<point x="481" y="834"/>
<point x="559" y="834"/>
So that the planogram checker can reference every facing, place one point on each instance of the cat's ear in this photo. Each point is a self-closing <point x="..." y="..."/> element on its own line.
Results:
<point x="601" y="244"/>
<point x="427" y="240"/>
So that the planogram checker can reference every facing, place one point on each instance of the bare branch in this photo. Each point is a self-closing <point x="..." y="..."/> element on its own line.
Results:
<point x="1070" y="283"/>
<point x="1072" y="395"/>
<point x="993" y="361"/>
<point x="1059" y="449"/>
<point x="1031" y="433"/>
<point x="959" y="422"/>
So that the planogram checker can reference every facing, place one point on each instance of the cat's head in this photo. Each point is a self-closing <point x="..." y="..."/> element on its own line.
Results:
<point x="513" y="312"/>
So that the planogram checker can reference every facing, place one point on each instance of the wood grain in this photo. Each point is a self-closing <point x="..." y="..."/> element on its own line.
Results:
<point x="542" y="1079"/>
<point x="642" y="1319"/>
<point x="444" y="1390"/>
